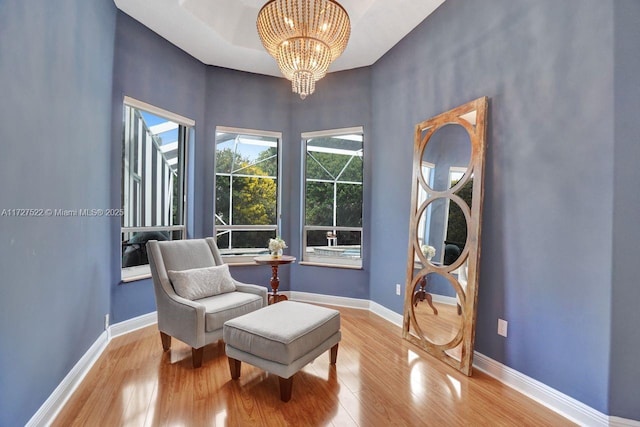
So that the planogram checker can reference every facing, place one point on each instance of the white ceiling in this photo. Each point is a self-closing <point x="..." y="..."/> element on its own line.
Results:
<point x="223" y="32"/>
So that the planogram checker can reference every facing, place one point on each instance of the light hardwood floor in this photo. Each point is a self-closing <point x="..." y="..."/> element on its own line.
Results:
<point x="379" y="380"/>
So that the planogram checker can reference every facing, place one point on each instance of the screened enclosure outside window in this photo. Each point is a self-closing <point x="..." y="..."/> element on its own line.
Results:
<point x="333" y="192"/>
<point x="153" y="182"/>
<point x="247" y="192"/>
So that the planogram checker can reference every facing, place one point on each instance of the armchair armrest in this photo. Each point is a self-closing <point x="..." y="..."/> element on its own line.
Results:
<point x="253" y="289"/>
<point x="182" y="318"/>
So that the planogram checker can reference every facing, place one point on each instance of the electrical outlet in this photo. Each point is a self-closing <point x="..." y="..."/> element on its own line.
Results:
<point x="502" y="327"/>
<point x="398" y="289"/>
<point x="106" y="321"/>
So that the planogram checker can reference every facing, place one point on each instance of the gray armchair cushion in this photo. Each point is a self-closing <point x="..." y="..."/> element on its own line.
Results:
<point x="187" y="254"/>
<point x="198" y="283"/>
<point x="220" y="308"/>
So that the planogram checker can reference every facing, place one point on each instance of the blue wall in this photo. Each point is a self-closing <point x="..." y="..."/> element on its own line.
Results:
<point x="56" y="61"/>
<point x="150" y="69"/>
<point x="546" y="240"/>
<point x="341" y="100"/>
<point x="561" y="201"/>
<point x="625" y="330"/>
<point x="250" y="101"/>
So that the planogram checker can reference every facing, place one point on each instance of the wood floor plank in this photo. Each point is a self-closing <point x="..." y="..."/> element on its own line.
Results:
<point x="379" y="380"/>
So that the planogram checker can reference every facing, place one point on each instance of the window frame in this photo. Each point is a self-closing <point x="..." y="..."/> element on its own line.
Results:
<point x="129" y="274"/>
<point x="247" y="259"/>
<point x="332" y="262"/>
<point x="423" y="232"/>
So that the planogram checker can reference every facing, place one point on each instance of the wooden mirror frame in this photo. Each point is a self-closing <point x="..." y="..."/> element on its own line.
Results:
<point x="465" y="338"/>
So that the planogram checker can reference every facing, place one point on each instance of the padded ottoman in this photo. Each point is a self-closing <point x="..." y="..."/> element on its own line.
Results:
<point x="281" y="339"/>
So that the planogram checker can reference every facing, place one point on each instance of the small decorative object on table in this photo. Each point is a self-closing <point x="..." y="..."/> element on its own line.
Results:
<point x="276" y="246"/>
<point x="428" y="251"/>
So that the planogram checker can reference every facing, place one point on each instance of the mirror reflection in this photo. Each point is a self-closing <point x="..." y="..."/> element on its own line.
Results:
<point x="440" y="301"/>
<point x="435" y="308"/>
<point x="442" y="231"/>
<point x="446" y="157"/>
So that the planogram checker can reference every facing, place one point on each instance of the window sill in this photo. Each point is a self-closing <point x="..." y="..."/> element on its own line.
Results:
<point x="241" y="264"/>
<point x="324" y="264"/>
<point x="135" y="278"/>
<point x="241" y="260"/>
<point x="133" y="274"/>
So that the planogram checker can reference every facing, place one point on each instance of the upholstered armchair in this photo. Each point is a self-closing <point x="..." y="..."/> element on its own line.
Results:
<point x="195" y="293"/>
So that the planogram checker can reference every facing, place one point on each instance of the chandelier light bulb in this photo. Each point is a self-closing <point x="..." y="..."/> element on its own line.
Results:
<point x="304" y="37"/>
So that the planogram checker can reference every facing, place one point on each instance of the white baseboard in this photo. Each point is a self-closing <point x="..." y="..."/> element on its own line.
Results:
<point x="388" y="315"/>
<point x="362" y="304"/>
<point x="564" y="405"/>
<point x="444" y="300"/>
<point x="56" y="401"/>
<point x="134" y="324"/>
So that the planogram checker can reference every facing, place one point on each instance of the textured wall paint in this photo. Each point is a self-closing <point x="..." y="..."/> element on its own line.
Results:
<point x="249" y="101"/>
<point x="547" y="67"/>
<point x="56" y="60"/>
<point x="150" y="69"/>
<point x="625" y="340"/>
<point x="246" y="100"/>
<point x="243" y="100"/>
<point x="341" y="100"/>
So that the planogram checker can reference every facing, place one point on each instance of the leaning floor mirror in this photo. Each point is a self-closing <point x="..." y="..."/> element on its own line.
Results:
<point x="444" y="252"/>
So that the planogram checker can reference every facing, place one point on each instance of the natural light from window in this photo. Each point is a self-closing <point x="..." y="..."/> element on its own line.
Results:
<point x="333" y="191"/>
<point x="153" y="182"/>
<point x="246" y="192"/>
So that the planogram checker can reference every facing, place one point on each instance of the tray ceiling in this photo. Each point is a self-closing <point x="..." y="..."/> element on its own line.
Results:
<point x="223" y="32"/>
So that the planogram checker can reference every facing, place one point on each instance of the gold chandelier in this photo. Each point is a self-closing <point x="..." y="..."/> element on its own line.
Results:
<point x="305" y="37"/>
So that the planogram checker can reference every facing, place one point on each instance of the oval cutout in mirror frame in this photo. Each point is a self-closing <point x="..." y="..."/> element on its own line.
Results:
<point x="450" y="149"/>
<point x="423" y="212"/>
<point x="434" y="325"/>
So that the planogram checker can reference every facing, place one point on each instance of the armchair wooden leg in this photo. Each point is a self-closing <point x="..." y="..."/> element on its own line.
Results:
<point x="166" y="341"/>
<point x="286" y="384"/>
<point x="334" y="354"/>
<point x="234" y="367"/>
<point x="196" y="356"/>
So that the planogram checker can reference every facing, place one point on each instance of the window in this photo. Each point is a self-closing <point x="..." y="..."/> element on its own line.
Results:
<point x="428" y="173"/>
<point x="455" y="222"/>
<point x="333" y="171"/>
<point x="247" y="192"/>
<point x="153" y="182"/>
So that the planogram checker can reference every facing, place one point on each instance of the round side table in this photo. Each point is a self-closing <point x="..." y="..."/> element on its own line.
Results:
<point x="274" y="297"/>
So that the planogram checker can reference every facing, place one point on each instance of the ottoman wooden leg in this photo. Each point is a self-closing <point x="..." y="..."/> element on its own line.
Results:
<point x="334" y="354"/>
<point x="234" y="367"/>
<point x="196" y="356"/>
<point x="285" y="388"/>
